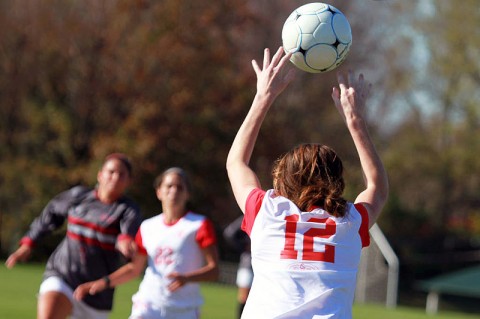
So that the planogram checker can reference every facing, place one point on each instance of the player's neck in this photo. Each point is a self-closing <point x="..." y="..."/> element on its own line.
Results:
<point x="172" y="214"/>
<point x="105" y="197"/>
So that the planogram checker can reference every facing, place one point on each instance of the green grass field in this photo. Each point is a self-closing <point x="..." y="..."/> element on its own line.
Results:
<point x="19" y="286"/>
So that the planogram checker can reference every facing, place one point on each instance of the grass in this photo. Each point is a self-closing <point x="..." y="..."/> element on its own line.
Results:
<point x="19" y="287"/>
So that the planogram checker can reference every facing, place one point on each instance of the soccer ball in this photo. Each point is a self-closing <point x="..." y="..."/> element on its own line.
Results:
<point x="318" y="35"/>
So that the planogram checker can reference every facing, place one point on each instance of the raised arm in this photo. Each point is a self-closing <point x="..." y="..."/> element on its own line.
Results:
<point x="350" y="97"/>
<point x="272" y="79"/>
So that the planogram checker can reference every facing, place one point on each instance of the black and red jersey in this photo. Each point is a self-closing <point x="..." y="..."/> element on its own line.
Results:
<point x="88" y="250"/>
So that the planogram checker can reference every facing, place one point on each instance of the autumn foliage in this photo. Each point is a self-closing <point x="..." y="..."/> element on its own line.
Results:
<point x="169" y="82"/>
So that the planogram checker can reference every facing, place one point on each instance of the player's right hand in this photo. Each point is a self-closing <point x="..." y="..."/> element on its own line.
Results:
<point x="21" y="254"/>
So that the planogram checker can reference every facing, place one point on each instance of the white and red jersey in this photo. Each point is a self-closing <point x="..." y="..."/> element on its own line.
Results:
<point x="305" y="263"/>
<point x="173" y="248"/>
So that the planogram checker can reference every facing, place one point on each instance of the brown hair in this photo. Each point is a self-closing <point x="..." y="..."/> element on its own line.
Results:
<point x="173" y="170"/>
<point x="311" y="175"/>
<point x="123" y="159"/>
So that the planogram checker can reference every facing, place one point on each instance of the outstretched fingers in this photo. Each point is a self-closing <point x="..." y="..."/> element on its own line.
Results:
<point x="272" y="77"/>
<point x="277" y="61"/>
<point x="267" y="62"/>
<point x="341" y="82"/>
<point x="361" y="87"/>
<point x="278" y="57"/>
<point x="266" y="58"/>
<point x="351" y="78"/>
<point x="284" y="59"/>
<point x="256" y="67"/>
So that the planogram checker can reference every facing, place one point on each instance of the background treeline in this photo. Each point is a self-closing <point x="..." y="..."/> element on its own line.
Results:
<point x="169" y="82"/>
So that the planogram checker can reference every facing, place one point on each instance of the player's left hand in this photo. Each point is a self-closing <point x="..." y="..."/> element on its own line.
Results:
<point x="351" y="94"/>
<point x="177" y="282"/>
<point x="89" y="288"/>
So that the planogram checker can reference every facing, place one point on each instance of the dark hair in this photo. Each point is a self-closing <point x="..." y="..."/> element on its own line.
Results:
<point x="173" y="170"/>
<point x="311" y="175"/>
<point x="122" y="158"/>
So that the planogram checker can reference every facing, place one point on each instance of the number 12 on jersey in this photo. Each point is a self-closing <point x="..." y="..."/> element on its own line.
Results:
<point x="307" y="245"/>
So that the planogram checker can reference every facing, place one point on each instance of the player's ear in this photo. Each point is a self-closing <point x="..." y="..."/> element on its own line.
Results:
<point x="158" y="193"/>
<point x="99" y="175"/>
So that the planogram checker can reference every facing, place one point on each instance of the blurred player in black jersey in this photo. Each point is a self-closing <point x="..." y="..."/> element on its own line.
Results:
<point x="101" y="227"/>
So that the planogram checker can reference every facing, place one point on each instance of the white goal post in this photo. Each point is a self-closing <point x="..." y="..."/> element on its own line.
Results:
<point x="378" y="273"/>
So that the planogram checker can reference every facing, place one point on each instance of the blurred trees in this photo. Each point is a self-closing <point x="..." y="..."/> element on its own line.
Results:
<point x="82" y="79"/>
<point x="432" y="80"/>
<point x="169" y="82"/>
<point x="166" y="82"/>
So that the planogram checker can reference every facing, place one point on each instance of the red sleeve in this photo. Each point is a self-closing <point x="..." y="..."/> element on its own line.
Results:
<point x="206" y="234"/>
<point x="363" y="231"/>
<point x="27" y="241"/>
<point x="252" y="207"/>
<point x="124" y="237"/>
<point x="138" y="240"/>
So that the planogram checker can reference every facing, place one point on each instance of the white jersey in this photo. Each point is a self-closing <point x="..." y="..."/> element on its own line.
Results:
<point x="305" y="263"/>
<point x="172" y="248"/>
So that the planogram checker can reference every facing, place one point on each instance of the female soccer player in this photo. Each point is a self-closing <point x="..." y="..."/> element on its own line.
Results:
<point x="305" y="237"/>
<point x="180" y="248"/>
<point x="101" y="226"/>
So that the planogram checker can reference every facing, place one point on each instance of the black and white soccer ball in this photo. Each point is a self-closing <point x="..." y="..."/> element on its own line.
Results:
<point x="319" y="37"/>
